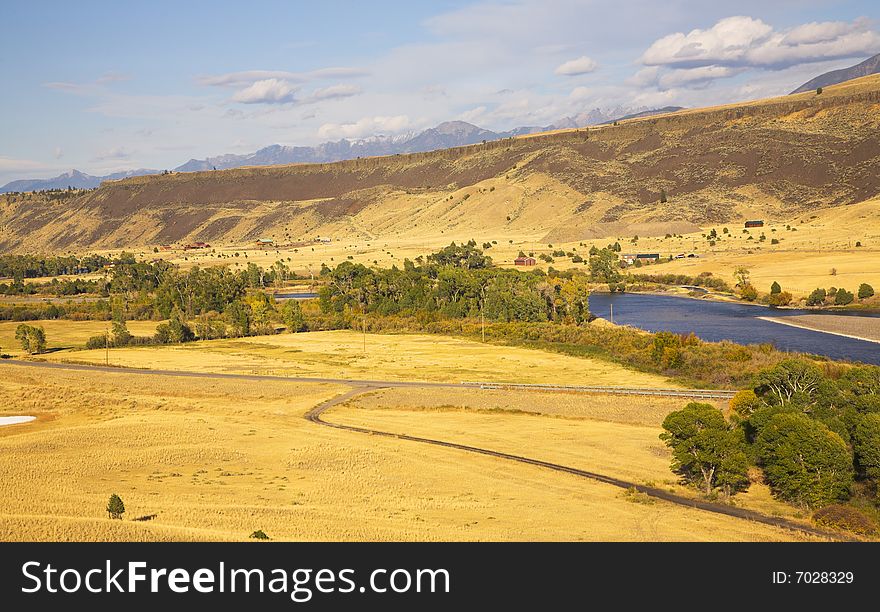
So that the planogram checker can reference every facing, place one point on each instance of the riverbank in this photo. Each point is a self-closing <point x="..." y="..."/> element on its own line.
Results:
<point x="847" y="326"/>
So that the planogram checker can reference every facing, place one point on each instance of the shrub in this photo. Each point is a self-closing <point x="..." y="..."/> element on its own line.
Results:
<point x="748" y="293"/>
<point x="745" y="402"/>
<point x="847" y="518"/>
<point x="259" y="534"/>
<point x="115" y="507"/>
<point x="775" y="288"/>
<point x="865" y="291"/>
<point x="780" y="299"/>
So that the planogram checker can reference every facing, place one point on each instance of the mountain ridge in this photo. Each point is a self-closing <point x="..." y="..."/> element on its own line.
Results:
<point x="868" y="67"/>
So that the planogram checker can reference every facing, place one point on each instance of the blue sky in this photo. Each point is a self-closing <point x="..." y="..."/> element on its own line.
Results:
<point x="107" y="86"/>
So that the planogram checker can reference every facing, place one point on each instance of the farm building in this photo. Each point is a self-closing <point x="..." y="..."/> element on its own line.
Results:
<point x="524" y="261"/>
<point x="755" y="223"/>
<point x="323" y="239"/>
<point x="631" y="258"/>
<point x="196" y="245"/>
<point x="265" y="242"/>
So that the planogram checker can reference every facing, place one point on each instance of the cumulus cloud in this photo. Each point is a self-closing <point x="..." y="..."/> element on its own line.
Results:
<point x="745" y="41"/>
<point x="267" y="91"/>
<point x="366" y="126"/>
<point x="581" y="65"/>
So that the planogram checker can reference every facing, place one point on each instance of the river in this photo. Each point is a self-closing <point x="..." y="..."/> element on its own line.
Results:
<point x="739" y="323"/>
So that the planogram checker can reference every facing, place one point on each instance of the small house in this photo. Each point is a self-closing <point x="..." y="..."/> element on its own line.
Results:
<point x="755" y="223"/>
<point x="648" y="257"/>
<point x="524" y="261"/>
<point x="323" y="239"/>
<point x="265" y="242"/>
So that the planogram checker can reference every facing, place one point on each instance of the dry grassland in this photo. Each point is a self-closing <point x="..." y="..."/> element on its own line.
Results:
<point x="620" y="449"/>
<point x="215" y="460"/>
<point x="340" y="354"/>
<point x="61" y="334"/>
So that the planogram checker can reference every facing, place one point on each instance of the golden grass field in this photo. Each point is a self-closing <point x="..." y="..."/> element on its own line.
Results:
<point x="217" y="459"/>
<point x="63" y="335"/>
<point x="341" y="354"/>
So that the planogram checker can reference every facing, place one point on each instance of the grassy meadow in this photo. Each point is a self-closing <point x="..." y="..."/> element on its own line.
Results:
<point x="213" y="459"/>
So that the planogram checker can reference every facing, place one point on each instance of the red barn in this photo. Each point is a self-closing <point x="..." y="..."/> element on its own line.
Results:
<point x="524" y="261"/>
<point x="756" y="223"/>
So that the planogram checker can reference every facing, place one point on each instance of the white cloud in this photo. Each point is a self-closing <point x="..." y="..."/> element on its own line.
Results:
<point x="579" y="93"/>
<point x="113" y="154"/>
<point x="267" y="91"/>
<point x="248" y="77"/>
<point x="745" y="41"/>
<point x="366" y="126"/>
<point x="581" y="65"/>
<point x="57" y="153"/>
<point x="473" y="114"/>
<point x="695" y="76"/>
<point x="333" y="92"/>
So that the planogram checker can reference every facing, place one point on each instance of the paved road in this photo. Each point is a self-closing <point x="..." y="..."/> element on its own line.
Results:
<point x="361" y="386"/>
<point x="693" y="393"/>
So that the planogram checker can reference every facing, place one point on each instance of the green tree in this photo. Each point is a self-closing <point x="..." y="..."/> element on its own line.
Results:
<point x="741" y="274"/>
<point x="775" y="288"/>
<point x="603" y="266"/>
<point x="866" y="444"/>
<point x="32" y="338"/>
<point x="115" y="507"/>
<point x="817" y="297"/>
<point x="239" y="316"/>
<point x="843" y="297"/>
<point x="292" y="315"/>
<point x="804" y="461"/>
<point x="121" y="335"/>
<point x="789" y="381"/>
<point x="706" y="450"/>
<point x="663" y="196"/>
<point x="865" y="291"/>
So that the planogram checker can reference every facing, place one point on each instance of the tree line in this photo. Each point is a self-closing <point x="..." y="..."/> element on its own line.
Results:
<point x="814" y="433"/>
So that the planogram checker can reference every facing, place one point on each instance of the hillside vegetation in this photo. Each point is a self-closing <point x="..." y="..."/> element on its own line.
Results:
<point x="776" y="157"/>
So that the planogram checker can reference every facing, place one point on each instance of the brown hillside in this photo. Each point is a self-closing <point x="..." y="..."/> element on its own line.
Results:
<point x="774" y="157"/>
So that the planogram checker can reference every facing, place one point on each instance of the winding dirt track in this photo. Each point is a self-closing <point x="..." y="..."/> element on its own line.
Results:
<point x="314" y="416"/>
<point x="362" y="386"/>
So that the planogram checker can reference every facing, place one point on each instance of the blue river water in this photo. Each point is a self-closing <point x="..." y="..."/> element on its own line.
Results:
<point x="714" y="321"/>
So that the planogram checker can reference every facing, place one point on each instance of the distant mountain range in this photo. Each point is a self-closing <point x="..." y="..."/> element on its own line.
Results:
<point x="73" y="178"/>
<point x="446" y="135"/>
<point x="869" y="66"/>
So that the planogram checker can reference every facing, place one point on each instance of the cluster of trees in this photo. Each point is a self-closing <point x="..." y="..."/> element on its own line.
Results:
<point x="838" y="296"/>
<point x="76" y="286"/>
<point x="815" y="436"/>
<point x="19" y="267"/>
<point x="452" y="287"/>
<point x="703" y="279"/>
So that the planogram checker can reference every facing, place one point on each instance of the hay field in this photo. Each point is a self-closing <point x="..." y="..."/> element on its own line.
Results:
<point x="63" y="335"/>
<point x="340" y="354"/>
<point x="215" y="460"/>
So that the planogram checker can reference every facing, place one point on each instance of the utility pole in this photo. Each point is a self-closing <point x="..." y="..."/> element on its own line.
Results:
<point x="106" y="345"/>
